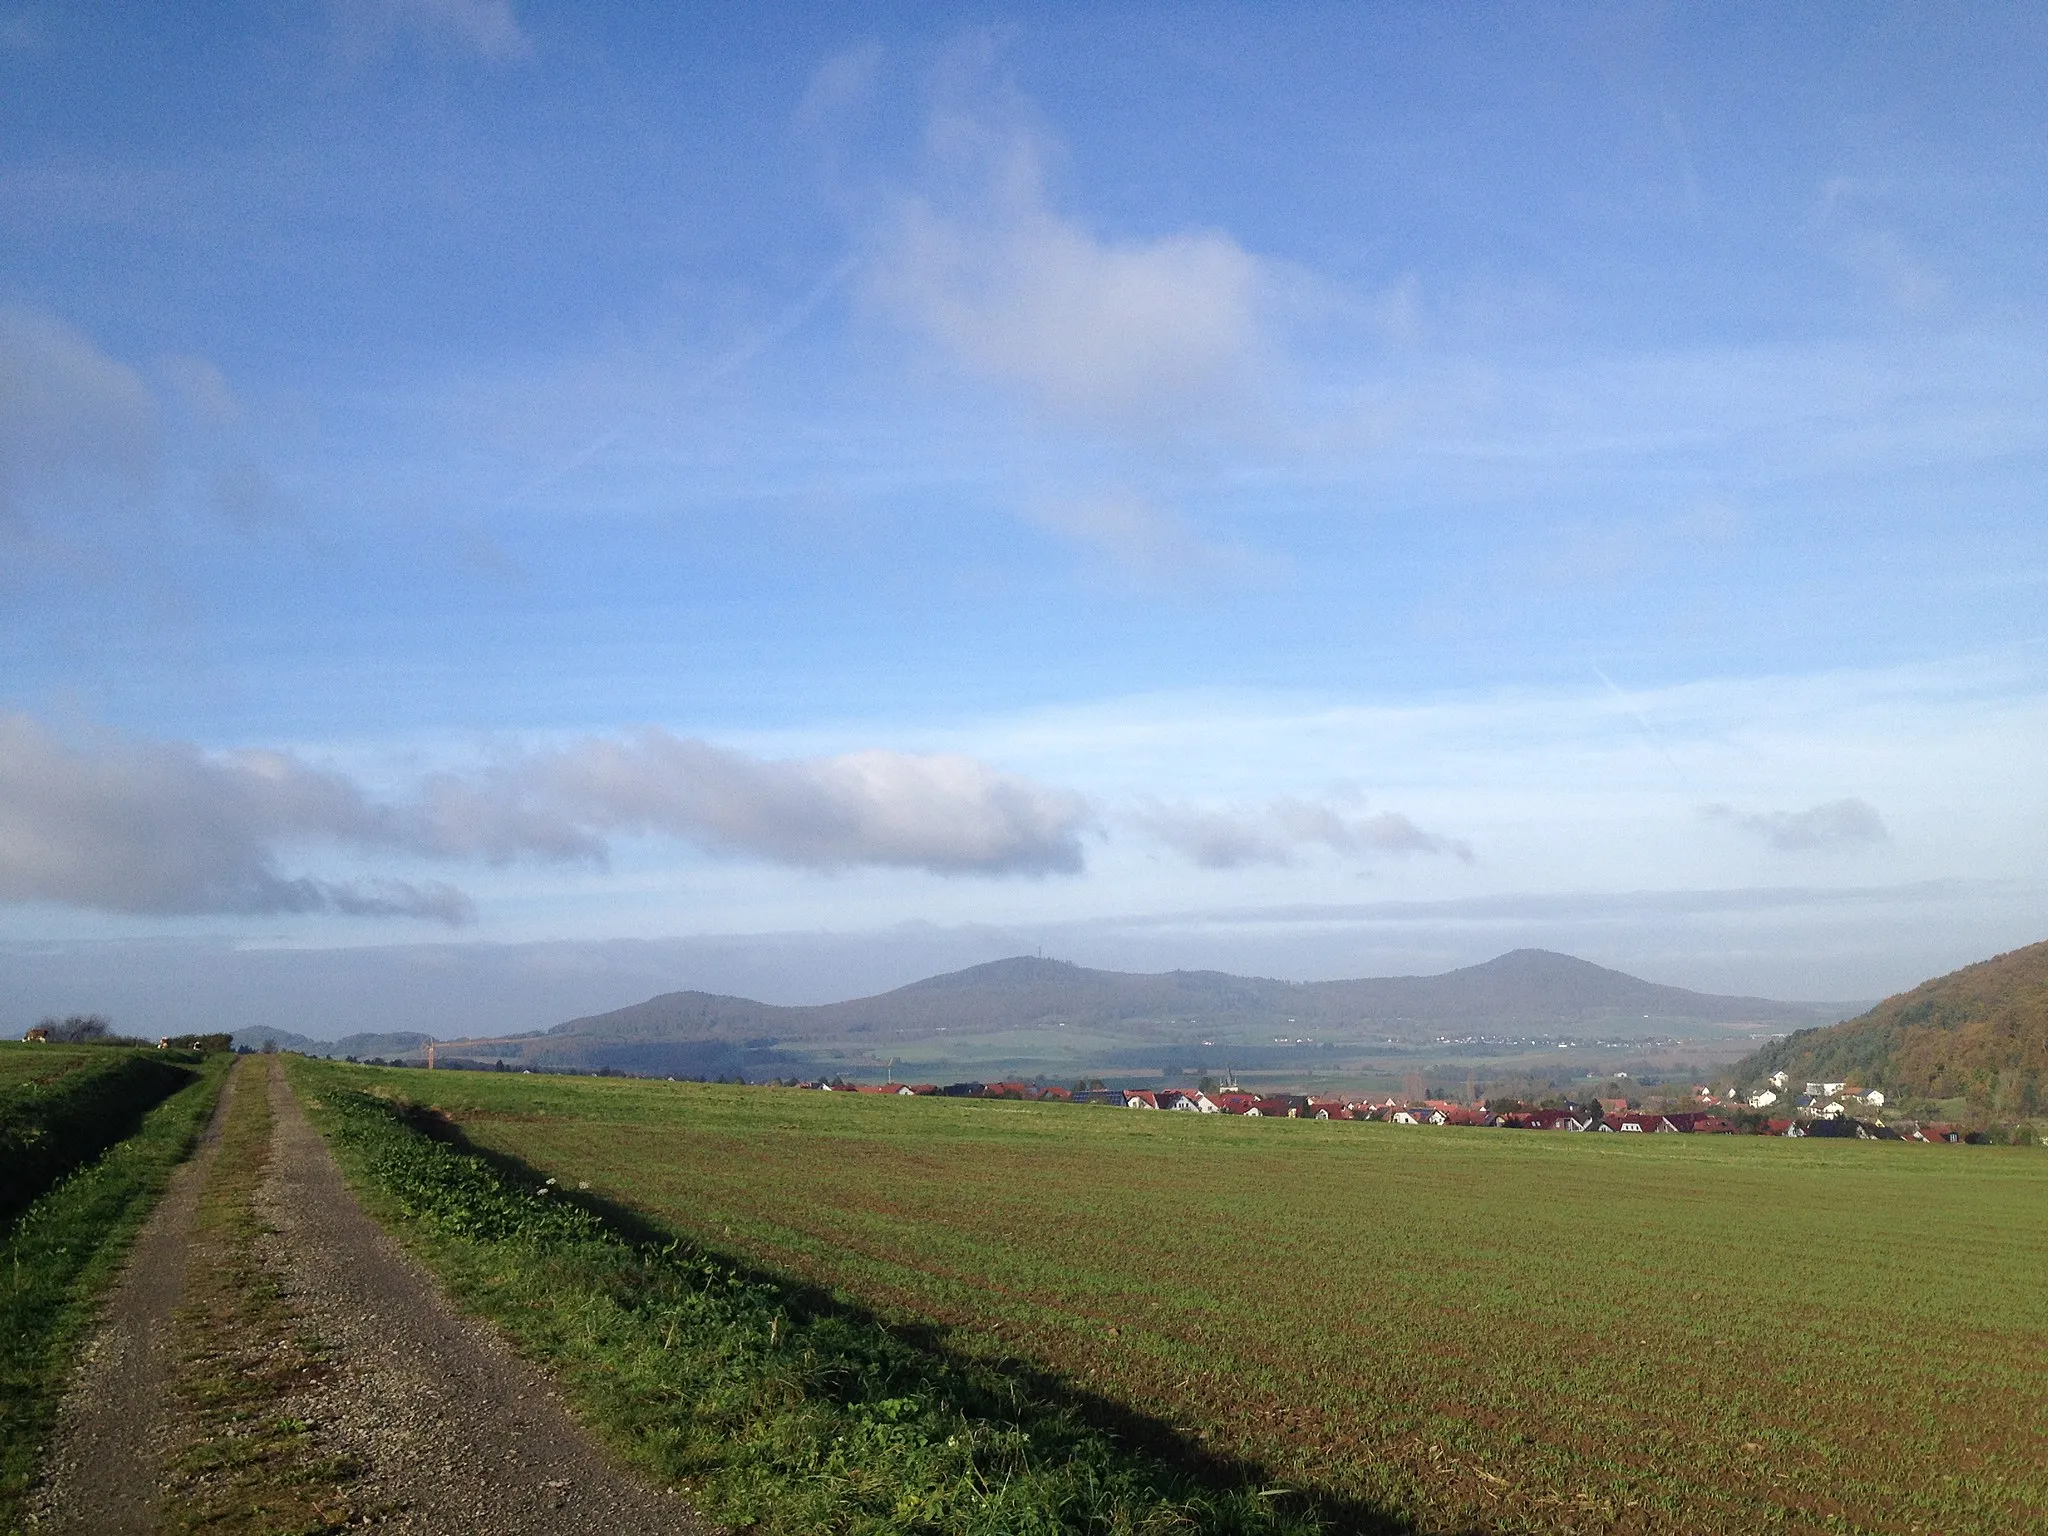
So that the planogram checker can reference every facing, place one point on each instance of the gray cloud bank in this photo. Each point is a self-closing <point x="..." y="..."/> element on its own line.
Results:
<point x="156" y="827"/>
<point x="1278" y="832"/>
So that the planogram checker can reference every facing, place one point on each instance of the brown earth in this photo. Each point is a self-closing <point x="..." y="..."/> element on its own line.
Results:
<point x="447" y="1429"/>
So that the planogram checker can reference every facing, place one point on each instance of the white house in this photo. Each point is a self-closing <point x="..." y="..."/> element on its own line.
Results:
<point x="1875" y="1096"/>
<point x="1762" y="1098"/>
<point x="1779" y="1080"/>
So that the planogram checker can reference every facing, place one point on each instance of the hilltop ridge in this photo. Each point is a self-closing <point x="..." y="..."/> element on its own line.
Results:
<point x="1521" y="989"/>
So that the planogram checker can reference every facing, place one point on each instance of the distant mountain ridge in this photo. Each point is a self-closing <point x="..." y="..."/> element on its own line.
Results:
<point x="1980" y="1033"/>
<point x="1523" y="990"/>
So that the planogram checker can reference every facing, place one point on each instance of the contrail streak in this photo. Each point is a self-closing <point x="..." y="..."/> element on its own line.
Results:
<point x="751" y="347"/>
<point x="1642" y="724"/>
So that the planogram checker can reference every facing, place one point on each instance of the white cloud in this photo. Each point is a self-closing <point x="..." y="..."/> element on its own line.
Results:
<point x="69" y="414"/>
<point x="1115" y="333"/>
<point x="1846" y="823"/>
<point x="837" y="86"/>
<point x="1279" y="831"/>
<point x="155" y="827"/>
<point x="1146" y="540"/>
<point x="1852" y="215"/>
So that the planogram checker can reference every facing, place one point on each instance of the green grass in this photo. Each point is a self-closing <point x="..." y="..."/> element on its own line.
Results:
<point x="54" y="1117"/>
<point x="58" y="1257"/>
<point x="22" y="1064"/>
<point x="1472" y="1329"/>
<point x="774" y="1406"/>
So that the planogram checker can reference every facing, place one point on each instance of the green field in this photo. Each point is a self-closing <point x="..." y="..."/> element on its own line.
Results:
<point x="21" y="1064"/>
<point x="1464" y="1328"/>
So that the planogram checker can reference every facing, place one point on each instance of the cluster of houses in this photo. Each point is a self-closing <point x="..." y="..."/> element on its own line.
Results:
<point x="1830" y="1101"/>
<point x="1595" y="1117"/>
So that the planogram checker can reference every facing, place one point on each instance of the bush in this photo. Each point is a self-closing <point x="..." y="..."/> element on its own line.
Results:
<point x="78" y="1029"/>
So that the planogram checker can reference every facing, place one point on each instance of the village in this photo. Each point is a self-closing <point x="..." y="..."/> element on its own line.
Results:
<point x="1823" y="1109"/>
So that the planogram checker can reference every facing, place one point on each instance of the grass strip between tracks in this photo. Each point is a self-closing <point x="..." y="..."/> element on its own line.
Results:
<point x="773" y="1406"/>
<point x="251" y="1466"/>
<point x="59" y="1256"/>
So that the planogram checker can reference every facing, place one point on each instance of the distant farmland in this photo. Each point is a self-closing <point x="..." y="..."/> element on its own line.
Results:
<point x="1486" y="1329"/>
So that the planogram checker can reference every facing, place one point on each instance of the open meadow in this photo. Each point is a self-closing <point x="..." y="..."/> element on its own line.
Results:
<point x="1454" y="1328"/>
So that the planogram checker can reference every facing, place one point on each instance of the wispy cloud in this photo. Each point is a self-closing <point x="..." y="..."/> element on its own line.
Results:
<point x="1846" y="823"/>
<point x="162" y="827"/>
<point x="1119" y="334"/>
<point x="71" y="417"/>
<point x="1145" y="540"/>
<point x="89" y="442"/>
<point x="1278" y="832"/>
<point x="488" y="28"/>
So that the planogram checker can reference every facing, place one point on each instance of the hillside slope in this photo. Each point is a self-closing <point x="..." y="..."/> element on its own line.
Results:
<point x="1979" y="1033"/>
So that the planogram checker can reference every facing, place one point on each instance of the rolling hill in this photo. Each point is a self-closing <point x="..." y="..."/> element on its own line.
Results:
<point x="1525" y="989"/>
<point x="1526" y="992"/>
<point x="1980" y="1033"/>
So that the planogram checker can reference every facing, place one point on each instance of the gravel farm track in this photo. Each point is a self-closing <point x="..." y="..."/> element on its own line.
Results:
<point x="446" y="1429"/>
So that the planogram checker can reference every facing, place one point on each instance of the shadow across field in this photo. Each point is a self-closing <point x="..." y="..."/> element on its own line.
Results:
<point x="873" y="1364"/>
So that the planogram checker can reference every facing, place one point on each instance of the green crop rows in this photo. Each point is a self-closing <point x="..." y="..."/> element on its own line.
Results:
<point x="1516" y="1331"/>
<point x="775" y="1407"/>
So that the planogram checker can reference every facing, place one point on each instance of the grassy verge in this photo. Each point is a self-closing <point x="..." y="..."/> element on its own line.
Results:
<point x="48" y="1127"/>
<point x="775" y="1406"/>
<point x="59" y="1256"/>
<point x="251" y="1466"/>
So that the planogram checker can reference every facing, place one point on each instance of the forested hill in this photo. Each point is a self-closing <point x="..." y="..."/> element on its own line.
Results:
<point x="1979" y="1033"/>
<point x="1528" y="989"/>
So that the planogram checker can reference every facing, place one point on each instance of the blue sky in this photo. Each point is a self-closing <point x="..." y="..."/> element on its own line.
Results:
<point x="499" y="473"/>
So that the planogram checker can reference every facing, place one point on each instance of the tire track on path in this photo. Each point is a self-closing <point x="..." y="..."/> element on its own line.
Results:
<point x="119" y="1421"/>
<point x="450" y="1430"/>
